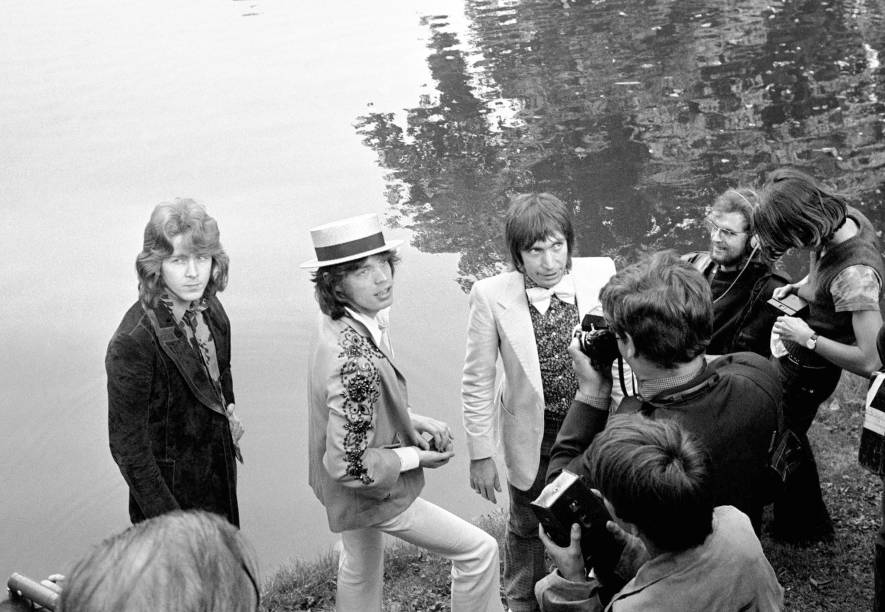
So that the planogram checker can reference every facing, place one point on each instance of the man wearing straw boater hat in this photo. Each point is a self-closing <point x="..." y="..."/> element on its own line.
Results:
<point x="366" y="448"/>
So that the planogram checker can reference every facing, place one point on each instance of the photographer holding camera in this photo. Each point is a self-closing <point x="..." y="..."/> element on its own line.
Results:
<point x="681" y="554"/>
<point x="660" y="313"/>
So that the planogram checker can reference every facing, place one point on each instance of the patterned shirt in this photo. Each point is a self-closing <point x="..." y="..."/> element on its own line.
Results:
<point x="199" y="337"/>
<point x="553" y="333"/>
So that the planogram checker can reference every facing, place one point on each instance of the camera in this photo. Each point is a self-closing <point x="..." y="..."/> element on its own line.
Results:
<point x="568" y="499"/>
<point x="597" y="341"/>
<point x="791" y="305"/>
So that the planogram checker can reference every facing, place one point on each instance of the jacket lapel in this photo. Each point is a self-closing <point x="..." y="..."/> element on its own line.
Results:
<point x="174" y="344"/>
<point x="516" y="326"/>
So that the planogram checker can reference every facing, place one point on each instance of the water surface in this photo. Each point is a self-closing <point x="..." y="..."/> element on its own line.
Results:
<point x="281" y="115"/>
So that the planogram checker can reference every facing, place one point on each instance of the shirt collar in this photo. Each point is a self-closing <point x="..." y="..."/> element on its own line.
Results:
<point x="652" y="387"/>
<point x="373" y="324"/>
<point x="196" y="306"/>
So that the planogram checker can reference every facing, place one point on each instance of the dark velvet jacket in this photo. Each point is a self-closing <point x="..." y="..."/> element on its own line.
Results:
<point x="168" y="430"/>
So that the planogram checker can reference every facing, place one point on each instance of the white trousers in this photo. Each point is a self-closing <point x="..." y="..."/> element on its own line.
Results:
<point x="473" y="552"/>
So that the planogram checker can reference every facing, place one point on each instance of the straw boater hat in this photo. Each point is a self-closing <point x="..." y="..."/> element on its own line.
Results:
<point x="348" y="239"/>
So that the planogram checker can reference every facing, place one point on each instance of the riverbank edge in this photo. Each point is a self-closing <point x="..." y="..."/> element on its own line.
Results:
<point x="825" y="576"/>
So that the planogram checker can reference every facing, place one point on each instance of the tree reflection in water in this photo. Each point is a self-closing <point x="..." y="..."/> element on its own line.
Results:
<point x="637" y="113"/>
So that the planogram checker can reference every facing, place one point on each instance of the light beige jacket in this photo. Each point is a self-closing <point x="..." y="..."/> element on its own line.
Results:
<point x="506" y="404"/>
<point x="359" y="411"/>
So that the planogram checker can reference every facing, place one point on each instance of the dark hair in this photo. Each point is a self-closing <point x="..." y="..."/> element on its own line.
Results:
<point x="657" y="476"/>
<point x="328" y="278"/>
<point x="532" y="217"/>
<point x="795" y="210"/>
<point x="664" y="304"/>
<point x="188" y="561"/>
<point x="189" y="219"/>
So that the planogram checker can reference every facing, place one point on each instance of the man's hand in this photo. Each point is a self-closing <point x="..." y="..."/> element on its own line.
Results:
<point x="633" y="556"/>
<point x="484" y="478"/>
<point x="236" y="426"/>
<point x="436" y="430"/>
<point x="591" y="382"/>
<point x="433" y="459"/>
<point x="569" y="560"/>
<point x="783" y="291"/>
<point x="793" y="329"/>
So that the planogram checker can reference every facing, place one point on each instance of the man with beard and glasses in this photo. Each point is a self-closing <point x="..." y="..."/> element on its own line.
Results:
<point x="741" y="280"/>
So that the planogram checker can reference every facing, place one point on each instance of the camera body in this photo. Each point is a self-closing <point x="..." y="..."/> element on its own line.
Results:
<point x="597" y="341"/>
<point x="568" y="499"/>
<point x="791" y="305"/>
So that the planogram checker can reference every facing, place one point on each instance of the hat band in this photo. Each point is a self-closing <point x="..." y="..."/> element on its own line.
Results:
<point x="348" y="249"/>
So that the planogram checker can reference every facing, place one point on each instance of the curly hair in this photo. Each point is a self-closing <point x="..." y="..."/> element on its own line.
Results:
<point x="532" y="217"/>
<point x="327" y="280"/>
<point x="796" y="211"/>
<point x="664" y="304"/>
<point x="187" y="218"/>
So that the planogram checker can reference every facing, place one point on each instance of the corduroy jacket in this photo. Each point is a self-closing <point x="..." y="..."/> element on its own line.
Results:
<point x="167" y="427"/>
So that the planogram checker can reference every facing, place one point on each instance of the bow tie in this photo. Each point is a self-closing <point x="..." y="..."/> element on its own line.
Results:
<point x="539" y="297"/>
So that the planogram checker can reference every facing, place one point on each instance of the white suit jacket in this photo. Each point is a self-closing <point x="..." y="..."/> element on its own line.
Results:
<point x="508" y="406"/>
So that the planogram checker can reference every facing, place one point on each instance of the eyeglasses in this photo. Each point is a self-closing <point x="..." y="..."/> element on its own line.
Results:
<point x="726" y="233"/>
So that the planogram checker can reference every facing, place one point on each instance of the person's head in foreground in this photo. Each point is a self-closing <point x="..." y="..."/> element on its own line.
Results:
<point x="354" y="266"/>
<point x="655" y="479"/>
<point x="540" y="237"/>
<point x="182" y="258"/>
<point x="660" y="310"/>
<point x="687" y="556"/>
<point x="184" y="561"/>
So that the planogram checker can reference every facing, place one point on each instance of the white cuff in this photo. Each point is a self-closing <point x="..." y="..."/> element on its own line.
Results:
<point x="408" y="457"/>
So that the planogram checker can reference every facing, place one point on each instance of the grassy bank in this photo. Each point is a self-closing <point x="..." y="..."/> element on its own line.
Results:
<point x="835" y="576"/>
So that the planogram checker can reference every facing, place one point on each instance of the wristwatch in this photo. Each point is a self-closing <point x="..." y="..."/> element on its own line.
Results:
<point x="811" y="343"/>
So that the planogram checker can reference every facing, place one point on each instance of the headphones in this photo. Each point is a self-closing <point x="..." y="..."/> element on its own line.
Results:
<point x="755" y="244"/>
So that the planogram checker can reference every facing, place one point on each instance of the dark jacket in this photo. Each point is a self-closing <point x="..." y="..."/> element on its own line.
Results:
<point x="733" y="406"/>
<point x="741" y="318"/>
<point x="168" y="431"/>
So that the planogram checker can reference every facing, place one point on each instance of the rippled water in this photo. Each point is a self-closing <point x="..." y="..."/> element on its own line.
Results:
<point x="280" y="117"/>
<point x="637" y="112"/>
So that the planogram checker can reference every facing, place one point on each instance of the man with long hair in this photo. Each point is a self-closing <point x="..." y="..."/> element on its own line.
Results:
<point x="172" y="425"/>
